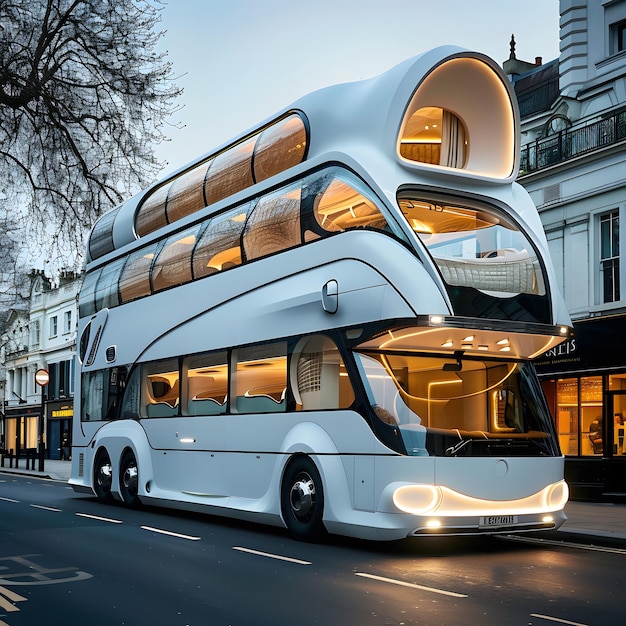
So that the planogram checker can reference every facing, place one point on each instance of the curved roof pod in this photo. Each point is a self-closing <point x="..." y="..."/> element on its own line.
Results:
<point x="361" y="120"/>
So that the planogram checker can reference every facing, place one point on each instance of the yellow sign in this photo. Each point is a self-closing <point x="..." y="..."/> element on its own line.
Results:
<point x="63" y="413"/>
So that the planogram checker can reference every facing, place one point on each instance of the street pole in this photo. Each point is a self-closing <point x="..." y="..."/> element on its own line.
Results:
<point x="42" y="378"/>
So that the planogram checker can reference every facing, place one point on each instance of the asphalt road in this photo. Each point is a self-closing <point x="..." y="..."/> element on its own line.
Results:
<point x="67" y="560"/>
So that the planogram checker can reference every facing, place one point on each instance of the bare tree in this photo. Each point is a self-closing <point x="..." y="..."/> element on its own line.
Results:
<point x="14" y="281"/>
<point x="84" y="94"/>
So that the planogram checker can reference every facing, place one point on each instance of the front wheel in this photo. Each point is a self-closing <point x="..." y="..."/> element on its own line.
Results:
<point x="302" y="500"/>
<point x="129" y="479"/>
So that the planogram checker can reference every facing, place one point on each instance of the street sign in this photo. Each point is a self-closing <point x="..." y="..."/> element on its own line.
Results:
<point x="42" y="377"/>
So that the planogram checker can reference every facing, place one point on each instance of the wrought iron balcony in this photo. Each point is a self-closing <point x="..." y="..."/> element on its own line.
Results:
<point x="572" y="142"/>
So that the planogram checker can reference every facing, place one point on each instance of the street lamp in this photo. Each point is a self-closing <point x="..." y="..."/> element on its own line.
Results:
<point x="42" y="378"/>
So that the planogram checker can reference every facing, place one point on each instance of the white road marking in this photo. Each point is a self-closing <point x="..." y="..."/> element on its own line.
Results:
<point x="45" y="508"/>
<point x="269" y="555"/>
<point x="170" y="533"/>
<point x="7" y="598"/>
<point x="556" y="619"/>
<point x="567" y="544"/>
<point x="100" y="519"/>
<point x="411" y="585"/>
<point x="9" y="500"/>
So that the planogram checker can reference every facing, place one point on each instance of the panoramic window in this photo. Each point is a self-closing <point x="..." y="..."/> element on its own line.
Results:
<point x="436" y="136"/>
<point x="318" y="375"/>
<point x="206" y="380"/>
<point x="172" y="265"/>
<point x="219" y="247"/>
<point x="160" y="389"/>
<point x="442" y="404"/>
<point x="340" y="205"/>
<point x="476" y="248"/>
<point x="260" y="379"/>
<point x="273" y="225"/>
<point x="135" y="278"/>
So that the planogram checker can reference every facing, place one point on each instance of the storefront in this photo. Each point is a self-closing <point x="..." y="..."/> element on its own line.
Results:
<point x="584" y="380"/>
<point x="21" y="429"/>
<point x="59" y="422"/>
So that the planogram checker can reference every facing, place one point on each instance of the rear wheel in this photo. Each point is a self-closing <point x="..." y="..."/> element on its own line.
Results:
<point x="302" y="500"/>
<point x="129" y="479"/>
<point x="102" y="475"/>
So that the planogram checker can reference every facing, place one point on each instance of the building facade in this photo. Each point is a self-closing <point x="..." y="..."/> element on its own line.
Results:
<point x="573" y="163"/>
<point x="47" y="342"/>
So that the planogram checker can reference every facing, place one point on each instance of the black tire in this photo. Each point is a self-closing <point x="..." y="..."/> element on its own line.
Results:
<point x="129" y="479"/>
<point x="302" y="500"/>
<point x="102" y="476"/>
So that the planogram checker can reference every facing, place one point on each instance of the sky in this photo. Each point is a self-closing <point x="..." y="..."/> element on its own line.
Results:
<point x="241" y="61"/>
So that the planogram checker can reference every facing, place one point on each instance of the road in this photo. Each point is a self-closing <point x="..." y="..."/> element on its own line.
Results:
<point x="67" y="560"/>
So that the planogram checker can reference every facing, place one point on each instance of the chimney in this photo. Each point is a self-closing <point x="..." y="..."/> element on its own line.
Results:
<point x="538" y="60"/>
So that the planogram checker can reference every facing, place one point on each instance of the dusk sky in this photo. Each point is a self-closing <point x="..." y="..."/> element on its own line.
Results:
<point x="241" y="61"/>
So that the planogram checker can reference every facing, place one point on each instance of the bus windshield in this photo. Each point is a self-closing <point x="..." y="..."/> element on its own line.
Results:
<point x="454" y="406"/>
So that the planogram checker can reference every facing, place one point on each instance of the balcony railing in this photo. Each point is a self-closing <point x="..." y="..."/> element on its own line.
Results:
<point x="572" y="142"/>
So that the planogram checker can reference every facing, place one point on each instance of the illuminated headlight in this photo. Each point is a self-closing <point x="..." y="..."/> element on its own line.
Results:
<point x="417" y="499"/>
<point x="557" y="495"/>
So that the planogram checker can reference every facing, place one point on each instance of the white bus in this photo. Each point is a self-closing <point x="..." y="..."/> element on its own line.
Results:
<point x="328" y="324"/>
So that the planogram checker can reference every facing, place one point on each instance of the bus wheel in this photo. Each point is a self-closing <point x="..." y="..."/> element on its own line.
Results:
<point x="302" y="500"/>
<point x="129" y="479"/>
<point x="102" y="475"/>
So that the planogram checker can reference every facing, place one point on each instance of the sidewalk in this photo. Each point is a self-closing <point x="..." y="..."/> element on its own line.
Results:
<point x="594" y="521"/>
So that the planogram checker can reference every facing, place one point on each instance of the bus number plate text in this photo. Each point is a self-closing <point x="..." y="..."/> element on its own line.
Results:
<point x="498" y="520"/>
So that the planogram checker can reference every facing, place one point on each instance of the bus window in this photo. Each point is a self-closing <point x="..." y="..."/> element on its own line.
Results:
<point x="100" y="393"/>
<point x="160" y="389"/>
<point x="151" y="213"/>
<point x="107" y="294"/>
<point x="260" y="378"/>
<point x="219" y="246"/>
<point x="318" y="375"/>
<point x="186" y="195"/>
<point x="434" y="135"/>
<point x="135" y="278"/>
<point x="86" y="299"/>
<point x="341" y="207"/>
<point x="477" y="248"/>
<point x="206" y="384"/>
<point x="230" y="172"/>
<point x="173" y="264"/>
<point x="273" y="225"/>
<point x="280" y="147"/>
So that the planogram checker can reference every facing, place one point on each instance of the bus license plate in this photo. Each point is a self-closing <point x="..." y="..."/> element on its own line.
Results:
<point x="498" y="520"/>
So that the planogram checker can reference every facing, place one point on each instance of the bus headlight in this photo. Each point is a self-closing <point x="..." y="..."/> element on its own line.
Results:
<point x="557" y="495"/>
<point x="417" y="499"/>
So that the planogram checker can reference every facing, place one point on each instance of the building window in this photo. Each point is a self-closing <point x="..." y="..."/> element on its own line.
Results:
<point x="609" y="256"/>
<point x="617" y="35"/>
<point x="35" y="332"/>
<point x="68" y="322"/>
<point x="53" y="326"/>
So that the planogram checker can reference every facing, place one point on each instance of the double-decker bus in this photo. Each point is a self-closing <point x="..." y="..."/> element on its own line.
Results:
<point x="328" y="323"/>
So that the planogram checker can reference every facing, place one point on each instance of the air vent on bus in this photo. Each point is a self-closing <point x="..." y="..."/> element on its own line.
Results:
<point x="94" y="347"/>
<point x="110" y="354"/>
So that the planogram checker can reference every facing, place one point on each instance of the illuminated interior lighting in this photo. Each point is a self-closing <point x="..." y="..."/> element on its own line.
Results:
<point x="447" y="344"/>
<point x="466" y="346"/>
<point x="483" y="347"/>
<point x="505" y="349"/>
<point x="502" y="342"/>
<point x="469" y="338"/>
<point x="433" y="523"/>
<point x="436" y="319"/>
